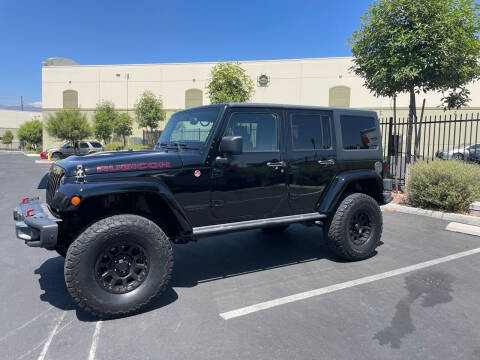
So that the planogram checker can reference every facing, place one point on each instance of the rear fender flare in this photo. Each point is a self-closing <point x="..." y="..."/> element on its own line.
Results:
<point x="329" y="200"/>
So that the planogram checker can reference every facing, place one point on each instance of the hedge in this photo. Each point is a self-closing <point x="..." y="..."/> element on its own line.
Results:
<point x="446" y="185"/>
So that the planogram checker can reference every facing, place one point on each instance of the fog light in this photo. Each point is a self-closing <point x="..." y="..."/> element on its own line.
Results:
<point x="75" y="200"/>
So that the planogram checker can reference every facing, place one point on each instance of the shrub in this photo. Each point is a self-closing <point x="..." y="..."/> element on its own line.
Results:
<point x="114" y="145"/>
<point x="446" y="185"/>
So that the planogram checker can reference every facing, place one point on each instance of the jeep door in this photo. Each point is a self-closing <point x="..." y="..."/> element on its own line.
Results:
<point x="251" y="185"/>
<point x="311" y="157"/>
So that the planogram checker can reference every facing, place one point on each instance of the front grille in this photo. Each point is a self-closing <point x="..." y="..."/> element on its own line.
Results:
<point x="54" y="178"/>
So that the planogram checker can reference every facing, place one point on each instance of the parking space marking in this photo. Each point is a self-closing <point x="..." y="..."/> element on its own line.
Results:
<point x="463" y="228"/>
<point x="96" y="334"/>
<point x="10" y="333"/>
<point x="345" y="285"/>
<point x="50" y="337"/>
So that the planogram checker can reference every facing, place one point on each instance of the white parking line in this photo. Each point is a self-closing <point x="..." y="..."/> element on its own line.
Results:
<point x="50" y="337"/>
<point x="96" y="334"/>
<point x="345" y="285"/>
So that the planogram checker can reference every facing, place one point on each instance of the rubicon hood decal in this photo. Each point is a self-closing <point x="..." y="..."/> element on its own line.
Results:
<point x="134" y="166"/>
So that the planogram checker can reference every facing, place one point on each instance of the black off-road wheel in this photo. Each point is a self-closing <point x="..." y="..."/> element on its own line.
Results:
<point x="356" y="227"/>
<point x="275" y="229"/>
<point x="118" y="265"/>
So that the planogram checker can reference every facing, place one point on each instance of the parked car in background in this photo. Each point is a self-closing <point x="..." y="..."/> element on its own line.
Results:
<point x="474" y="155"/>
<point x="460" y="153"/>
<point x="80" y="148"/>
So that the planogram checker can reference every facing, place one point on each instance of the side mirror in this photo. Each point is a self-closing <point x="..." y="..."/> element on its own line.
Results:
<point x="232" y="145"/>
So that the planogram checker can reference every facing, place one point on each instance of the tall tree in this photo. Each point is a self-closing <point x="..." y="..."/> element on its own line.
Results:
<point x="7" y="137"/>
<point x="68" y="124"/>
<point x="414" y="46"/>
<point x="149" y="111"/>
<point x="103" y="120"/>
<point x="122" y="126"/>
<point x="229" y="83"/>
<point x="31" y="132"/>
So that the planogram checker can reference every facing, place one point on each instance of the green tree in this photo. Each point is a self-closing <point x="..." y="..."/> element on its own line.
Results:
<point x="103" y="120"/>
<point x="31" y="132"/>
<point x="68" y="124"/>
<point x="229" y="83"/>
<point x="414" y="46"/>
<point x="122" y="126"/>
<point x="149" y="111"/>
<point x="7" y="137"/>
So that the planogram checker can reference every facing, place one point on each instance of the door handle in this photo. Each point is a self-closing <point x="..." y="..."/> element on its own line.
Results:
<point x="277" y="164"/>
<point x="326" y="162"/>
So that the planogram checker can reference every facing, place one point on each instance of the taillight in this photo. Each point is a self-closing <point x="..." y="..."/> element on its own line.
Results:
<point x="42" y="155"/>
<point x="29" y="212"/>
<point x="385" y="167"/>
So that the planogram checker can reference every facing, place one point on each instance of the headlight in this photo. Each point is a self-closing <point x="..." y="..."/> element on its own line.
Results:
<point x="62" y="180"/>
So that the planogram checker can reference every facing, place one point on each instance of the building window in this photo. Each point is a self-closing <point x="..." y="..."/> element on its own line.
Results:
<point x="193" y="97"/>
<point x="339" y="96"/>
<point x="70" y="99"/>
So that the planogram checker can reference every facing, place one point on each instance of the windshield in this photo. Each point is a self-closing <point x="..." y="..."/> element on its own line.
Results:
<point x="189" y="128"/>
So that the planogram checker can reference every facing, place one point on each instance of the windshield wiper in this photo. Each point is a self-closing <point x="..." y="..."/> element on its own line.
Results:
<point x="177" y="145"/>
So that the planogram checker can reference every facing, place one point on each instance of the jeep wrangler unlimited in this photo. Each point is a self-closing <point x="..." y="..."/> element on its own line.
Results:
<point x="215" y="169"/>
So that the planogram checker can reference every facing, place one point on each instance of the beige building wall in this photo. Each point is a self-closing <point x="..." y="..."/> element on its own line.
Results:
<point x="319" y="82"/>
<point x="12" y="119"/>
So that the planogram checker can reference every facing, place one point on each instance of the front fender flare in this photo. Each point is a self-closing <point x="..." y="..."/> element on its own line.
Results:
<point x="339" y="184"/>
<point x="90" y="190"/>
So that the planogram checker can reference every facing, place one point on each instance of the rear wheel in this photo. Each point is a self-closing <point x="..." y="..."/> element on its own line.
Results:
<point x="356" y="227"/>
<point x="458" y="156"/>
<point x="118" y="265"/>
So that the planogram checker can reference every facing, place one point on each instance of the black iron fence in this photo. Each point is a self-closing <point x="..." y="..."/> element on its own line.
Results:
<point x="151" y="137"/>
<point x="433" y="137"/>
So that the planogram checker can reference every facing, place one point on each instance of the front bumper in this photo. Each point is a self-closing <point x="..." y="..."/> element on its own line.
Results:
<point x="35" y="224"/>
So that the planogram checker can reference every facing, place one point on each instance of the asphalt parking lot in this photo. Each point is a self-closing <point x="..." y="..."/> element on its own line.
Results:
<point x="428" y="311"/>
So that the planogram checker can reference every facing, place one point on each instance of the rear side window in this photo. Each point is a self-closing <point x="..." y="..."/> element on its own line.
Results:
<point x="359" y="132"/>
<point x="96" y="144"/>
<point x="258" y="130"/>
<point x="310" y="131"/>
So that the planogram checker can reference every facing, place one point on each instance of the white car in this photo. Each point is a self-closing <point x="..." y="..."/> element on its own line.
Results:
<point x="460" y="153"/>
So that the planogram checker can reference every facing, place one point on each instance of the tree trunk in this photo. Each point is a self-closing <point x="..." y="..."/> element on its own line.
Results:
<point x="412" y="115"/>
<point x="418" y="132"/>
<point x="124" y="141"/>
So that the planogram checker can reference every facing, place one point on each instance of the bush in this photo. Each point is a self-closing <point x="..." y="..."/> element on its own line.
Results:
<point x="119" y="145"/>
<point x="447" y="185"/>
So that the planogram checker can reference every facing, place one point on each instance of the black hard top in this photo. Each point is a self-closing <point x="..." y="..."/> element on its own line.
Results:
<point x="286" y="107"/>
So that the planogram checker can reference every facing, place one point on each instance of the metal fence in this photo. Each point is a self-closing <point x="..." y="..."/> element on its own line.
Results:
<point x="151" y="137"/>
<point x="433" y="137"/>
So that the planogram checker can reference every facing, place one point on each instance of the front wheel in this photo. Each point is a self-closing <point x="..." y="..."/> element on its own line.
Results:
<point x="118" y="265"/>
<point x="356" y="227"/>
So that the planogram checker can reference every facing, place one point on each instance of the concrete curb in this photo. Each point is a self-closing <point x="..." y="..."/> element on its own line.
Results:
<point x="32" y="155"/>
<point x="43" y="162"/>
<point x="465" y="219"/>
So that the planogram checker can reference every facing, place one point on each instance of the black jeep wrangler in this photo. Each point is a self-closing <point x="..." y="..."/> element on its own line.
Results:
<point x="215" y="169"/>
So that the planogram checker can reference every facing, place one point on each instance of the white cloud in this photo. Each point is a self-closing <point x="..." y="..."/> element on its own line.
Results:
<point x="36" y="103"/>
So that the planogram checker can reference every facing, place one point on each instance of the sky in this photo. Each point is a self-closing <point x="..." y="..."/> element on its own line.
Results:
<point x="157" y="31"/>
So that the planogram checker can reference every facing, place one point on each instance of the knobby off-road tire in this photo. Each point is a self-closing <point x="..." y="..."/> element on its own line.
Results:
<point x="275" y="229"/>
<point x="118" y="246"/>
<point x="356" y="227"/>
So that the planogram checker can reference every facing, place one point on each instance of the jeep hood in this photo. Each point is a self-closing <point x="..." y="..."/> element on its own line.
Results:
<point x="121" y="161"/>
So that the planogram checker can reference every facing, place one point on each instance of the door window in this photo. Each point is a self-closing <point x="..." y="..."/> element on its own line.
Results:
<point x="259" y="131"/>
<point x="310" y="132"/>
<point x="83" y="145"/>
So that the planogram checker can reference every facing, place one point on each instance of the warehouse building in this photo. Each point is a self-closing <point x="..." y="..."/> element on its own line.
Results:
<point x="11" y="120"/>
<point x="317" y="81"/>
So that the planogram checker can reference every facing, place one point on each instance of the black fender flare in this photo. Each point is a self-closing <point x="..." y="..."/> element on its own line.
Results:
<point x="329" y="199"/>
<point x="90" y="190"/>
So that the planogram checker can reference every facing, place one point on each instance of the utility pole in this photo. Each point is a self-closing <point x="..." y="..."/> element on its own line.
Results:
<point x="21" y="103"/>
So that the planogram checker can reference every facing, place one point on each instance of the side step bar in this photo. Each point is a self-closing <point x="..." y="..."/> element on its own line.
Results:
<point x="253" y="224"/>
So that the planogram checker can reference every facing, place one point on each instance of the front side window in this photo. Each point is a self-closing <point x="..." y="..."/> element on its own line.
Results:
<point x="359" y="132"/>
<point x="190" y="127"/>
<point x="84" y="145"/>
<point x="258" y="131"/>
<point x="310" y="132"/>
